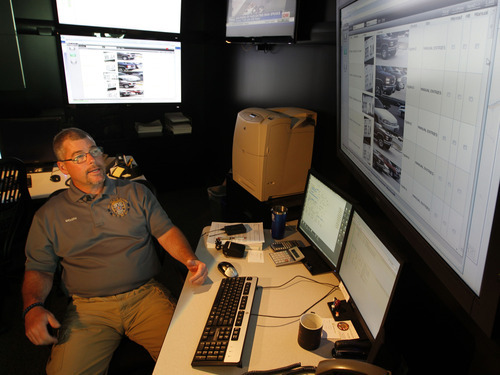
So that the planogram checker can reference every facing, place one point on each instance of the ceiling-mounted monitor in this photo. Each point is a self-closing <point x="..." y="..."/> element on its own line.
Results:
<point x="120" y="70"/>
<point x="418" y="112"/>
<point x="261" y="21"/>
<point x="146" y="15"/>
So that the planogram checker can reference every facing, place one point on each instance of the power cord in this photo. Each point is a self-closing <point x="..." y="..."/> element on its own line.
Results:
<point x="295" y="368"/>
<point x="333" y="289"/>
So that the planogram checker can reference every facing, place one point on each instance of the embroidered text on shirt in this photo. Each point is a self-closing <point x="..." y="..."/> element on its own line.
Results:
<point x="71" y="219"/>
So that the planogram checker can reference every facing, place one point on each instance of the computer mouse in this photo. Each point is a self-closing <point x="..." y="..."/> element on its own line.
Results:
<point x="227" y="269"/>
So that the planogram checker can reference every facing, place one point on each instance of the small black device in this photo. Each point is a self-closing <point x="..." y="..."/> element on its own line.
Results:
<point x="352" y="349"/>
<point x="235" y="229"/>
<point x="232" y="249"/>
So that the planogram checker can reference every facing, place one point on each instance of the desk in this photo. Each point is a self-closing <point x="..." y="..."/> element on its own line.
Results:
<point x="270" y="342"/>
<point x="41" y="186"/>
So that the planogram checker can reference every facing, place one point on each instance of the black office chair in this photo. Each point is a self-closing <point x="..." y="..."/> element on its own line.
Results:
<point x="15" y="216"/>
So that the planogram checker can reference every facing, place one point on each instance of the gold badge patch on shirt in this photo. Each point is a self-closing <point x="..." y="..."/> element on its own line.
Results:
<point x="118" y="207"/>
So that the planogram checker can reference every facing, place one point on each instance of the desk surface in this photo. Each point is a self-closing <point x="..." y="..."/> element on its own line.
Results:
<point x="270" y="342"/>
<point x="41" y="185"/>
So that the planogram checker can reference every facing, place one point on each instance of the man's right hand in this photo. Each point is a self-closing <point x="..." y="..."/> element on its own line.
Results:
<point x="36" y="324"/>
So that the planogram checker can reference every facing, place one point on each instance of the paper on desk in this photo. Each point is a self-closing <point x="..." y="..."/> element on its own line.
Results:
<point x="255" y="256"/>
<point x="341" y="330"/>
<point x="253" y="238"/>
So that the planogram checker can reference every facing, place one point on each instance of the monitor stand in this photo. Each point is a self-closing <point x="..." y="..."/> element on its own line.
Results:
<point x="313" y="262"/>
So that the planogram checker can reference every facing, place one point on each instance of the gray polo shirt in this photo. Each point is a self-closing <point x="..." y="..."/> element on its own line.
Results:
<point x="105" y="244"/>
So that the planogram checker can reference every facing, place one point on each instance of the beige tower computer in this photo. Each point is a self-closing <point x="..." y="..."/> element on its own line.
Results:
<point x="272" y="150"/>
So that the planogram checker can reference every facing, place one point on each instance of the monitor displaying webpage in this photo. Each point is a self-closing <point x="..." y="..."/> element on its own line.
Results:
<point x="145" y="15"/>
<point x="419" y="116"/>
<point x="114" y="70"/>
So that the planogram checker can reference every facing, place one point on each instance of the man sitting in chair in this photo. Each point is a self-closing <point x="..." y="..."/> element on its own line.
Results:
<point x="100" y="230"/>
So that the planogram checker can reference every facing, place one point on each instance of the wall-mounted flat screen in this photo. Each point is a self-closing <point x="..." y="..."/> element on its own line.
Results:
<point x="261" y="21"/>
<point x="118" y="70"/>
<point x="418" y="117"/>
<point x="145" y="15"/>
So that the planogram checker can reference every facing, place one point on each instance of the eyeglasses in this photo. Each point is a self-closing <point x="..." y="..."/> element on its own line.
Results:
<point x="82" y="158"/>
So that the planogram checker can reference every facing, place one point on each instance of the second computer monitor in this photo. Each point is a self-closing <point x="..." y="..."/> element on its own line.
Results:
<point x="369" y="272"/>
<point x="323" y="223"/>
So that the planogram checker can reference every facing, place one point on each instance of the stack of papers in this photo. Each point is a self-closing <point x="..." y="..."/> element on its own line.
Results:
<point x="253" y="238"/>
<point x="177" y="123"/>
<point x="150" y="129"/>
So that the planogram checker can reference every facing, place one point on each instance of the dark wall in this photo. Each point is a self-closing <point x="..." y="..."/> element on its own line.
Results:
<point x="219" y="80"/>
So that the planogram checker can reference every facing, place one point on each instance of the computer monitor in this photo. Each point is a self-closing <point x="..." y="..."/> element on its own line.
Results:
<point x="147" y="15"/>
<point x="369" y="272"/>
<point x="261" y="21"/>
<point x="323" y="222"/>
<point x="418" y="127"/>
<point x="121" y="70"/>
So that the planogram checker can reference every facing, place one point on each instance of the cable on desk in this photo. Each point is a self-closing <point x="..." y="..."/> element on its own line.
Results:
<point x="295" y="277"/>
<point x="295" y="368"/>
<point x="299" y="315"/>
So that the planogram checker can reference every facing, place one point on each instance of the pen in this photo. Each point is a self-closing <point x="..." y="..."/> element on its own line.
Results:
<point x="129" y="163"/>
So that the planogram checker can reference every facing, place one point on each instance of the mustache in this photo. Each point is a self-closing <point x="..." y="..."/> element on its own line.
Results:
<point x="94" y="168"/>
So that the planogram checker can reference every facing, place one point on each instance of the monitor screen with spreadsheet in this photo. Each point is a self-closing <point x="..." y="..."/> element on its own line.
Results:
<point x="325" y="217"/>
<point x="417" y="119"/>
<point x="369" y="272"/>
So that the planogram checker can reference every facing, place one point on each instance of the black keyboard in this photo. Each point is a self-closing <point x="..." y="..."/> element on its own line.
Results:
<point x="222" y="340"/>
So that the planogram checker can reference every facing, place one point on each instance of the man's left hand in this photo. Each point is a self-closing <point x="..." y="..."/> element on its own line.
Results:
<point x="199" y="271"/>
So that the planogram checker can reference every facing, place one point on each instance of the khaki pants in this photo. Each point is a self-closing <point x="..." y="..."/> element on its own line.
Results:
<point x="93" y="328"/>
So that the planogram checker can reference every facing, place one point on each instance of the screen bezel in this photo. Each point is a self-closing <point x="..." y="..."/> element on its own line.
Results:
<point x="312" y="172"/>
<point x="265" y="38"/>
<point x="481" y="308"/>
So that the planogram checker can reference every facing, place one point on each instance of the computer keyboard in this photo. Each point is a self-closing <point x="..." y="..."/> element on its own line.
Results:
<point x="222" y="340"/>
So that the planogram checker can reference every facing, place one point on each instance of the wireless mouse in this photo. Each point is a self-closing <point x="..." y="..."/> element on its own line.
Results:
<point x="227" y="269"/>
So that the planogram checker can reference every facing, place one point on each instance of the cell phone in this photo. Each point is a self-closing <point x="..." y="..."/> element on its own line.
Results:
<point x="235" y="229"/>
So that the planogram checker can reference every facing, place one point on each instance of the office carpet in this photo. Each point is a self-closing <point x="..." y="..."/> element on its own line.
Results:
<point x="189" y="209"/>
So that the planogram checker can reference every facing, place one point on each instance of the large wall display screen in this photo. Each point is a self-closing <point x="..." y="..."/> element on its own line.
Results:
<point x="144" y="15"/>
<point x="419" y="116"/>
<point x="114" y="70"/>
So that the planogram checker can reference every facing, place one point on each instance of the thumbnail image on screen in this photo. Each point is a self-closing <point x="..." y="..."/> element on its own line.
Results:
<point x="116" y="70"/>
<point x="324" y="219"/>
<point x="418" y="116"/>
